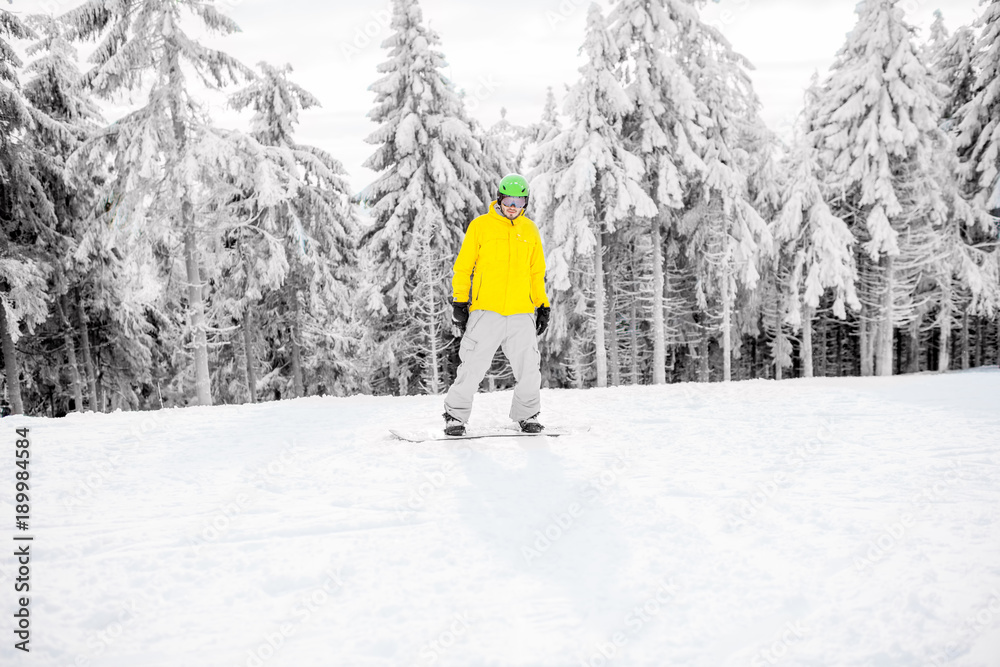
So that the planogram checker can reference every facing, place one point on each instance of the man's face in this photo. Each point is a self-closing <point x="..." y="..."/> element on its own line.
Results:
<point x="511" y="211"/>
<point x="512" y="206"/>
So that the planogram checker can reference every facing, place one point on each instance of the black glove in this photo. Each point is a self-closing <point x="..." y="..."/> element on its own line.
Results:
<point x="541" y="319"/>
<point x="460" y="315"/>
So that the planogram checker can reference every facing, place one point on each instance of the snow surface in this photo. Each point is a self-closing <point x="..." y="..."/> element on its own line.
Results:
<point x="805" y="522"/>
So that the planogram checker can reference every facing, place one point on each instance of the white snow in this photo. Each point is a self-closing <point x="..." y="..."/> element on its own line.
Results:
<point x="806" y="522"/>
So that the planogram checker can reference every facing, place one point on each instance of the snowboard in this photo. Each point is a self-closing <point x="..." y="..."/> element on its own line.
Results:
<point x="430" y="436"/>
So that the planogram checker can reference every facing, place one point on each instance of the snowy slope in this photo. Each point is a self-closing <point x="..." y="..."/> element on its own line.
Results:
<point x="806" y="522"/>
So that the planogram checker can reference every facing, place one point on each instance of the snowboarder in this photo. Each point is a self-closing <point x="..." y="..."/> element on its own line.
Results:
<point x="501" y="265"/>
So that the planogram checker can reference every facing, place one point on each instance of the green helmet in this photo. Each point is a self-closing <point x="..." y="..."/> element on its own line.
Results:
<point x="513" y="185"/>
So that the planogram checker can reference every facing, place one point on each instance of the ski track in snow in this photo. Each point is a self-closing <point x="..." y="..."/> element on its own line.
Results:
<point x="807" y="522"/>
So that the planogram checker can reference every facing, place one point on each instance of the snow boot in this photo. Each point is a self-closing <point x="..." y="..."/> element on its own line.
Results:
<point x="453" y="426"/>
<point x="531" y="425"/>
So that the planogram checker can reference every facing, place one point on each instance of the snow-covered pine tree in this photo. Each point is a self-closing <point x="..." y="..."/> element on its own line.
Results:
<point x="937" y="38"/>
<point x="966" y="276"/>
<point x="52" y="88"/>
<point x="561" y="355"/>
<point x="505" y="144"/>
<point x="876" y="129"/>
<point x="312" y="271"/>
<point x="27" y="218"/>
<point x="726" y="246"/>
<point x="588" y="184"/>
<point x="664" y="43"/>
<point x="537" y="162"/>
<point x="432" y="182"/>
<point x="766" y="180"/>
<point x="537" y="133"/>
<point x="693" y="105"/>
<point x="816" y="250"/>
<point x="809" y="257"/>
<point x="632" y="271"/>
<point x="249" y="263"/>
<point x="978" y="128"/>
<point x="666" y="128"/>
<point x="156" y="166"/>
<point x="546" y="127"/>
<point x="950" y="59"/>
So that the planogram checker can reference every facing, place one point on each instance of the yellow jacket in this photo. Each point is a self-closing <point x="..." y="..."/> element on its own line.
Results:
<point x="503" y="264"/>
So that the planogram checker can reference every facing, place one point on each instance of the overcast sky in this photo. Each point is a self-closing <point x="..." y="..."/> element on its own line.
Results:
<point x="505" y="54"/>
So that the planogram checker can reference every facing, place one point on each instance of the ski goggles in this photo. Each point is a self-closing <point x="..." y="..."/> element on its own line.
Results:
<point x="516" y="202"/>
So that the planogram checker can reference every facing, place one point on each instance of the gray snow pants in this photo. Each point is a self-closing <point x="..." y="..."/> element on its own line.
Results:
<point x="486" y="332"/>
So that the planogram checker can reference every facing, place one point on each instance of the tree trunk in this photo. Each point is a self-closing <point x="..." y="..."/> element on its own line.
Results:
<point x="600" y="316"/>
<point x="634" y="339"/>
<point x="807" y="341"/>
<point x="196" y="306"/>
<point x="823" y="331"/>
<point x="897" y="346"/>
<point x="931" y="351"/>
<point x="576" y="359"/>
<point x="76" y="382"/>
<point x="704" y="369"/>
<point x="727" y="333"/>
<point x="614" y="358"/>
<point x="913" y="359"/>
<point x="196" y="302"/>
<point x="402" y="374"/>
<point x="956" y="347"/>
<point x="944" y="347"/>
<point x="11" y="366"/>
<point x="659" y="329"/>
<point x="839" y="355"/>
<point x="884" y="330"/>
<point x="867" y="351"/>
<point x="996" y="352"/>
<point x="295" y="337"/>
<point x="980" y="359"/>
<point x="88" y="359"/>
<point x="614" y="353"/>
<point x="248" y="355"/>
<point x="433" y="353"/>
<point x="780" y="341"/>
<point x="965" y="339"/>
<point x="102" y="396"/>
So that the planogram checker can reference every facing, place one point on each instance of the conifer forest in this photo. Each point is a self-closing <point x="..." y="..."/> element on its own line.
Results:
<point x="159" y="259"/>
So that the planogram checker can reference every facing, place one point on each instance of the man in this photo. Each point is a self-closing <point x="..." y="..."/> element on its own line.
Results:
<point x="501" y="266"/>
